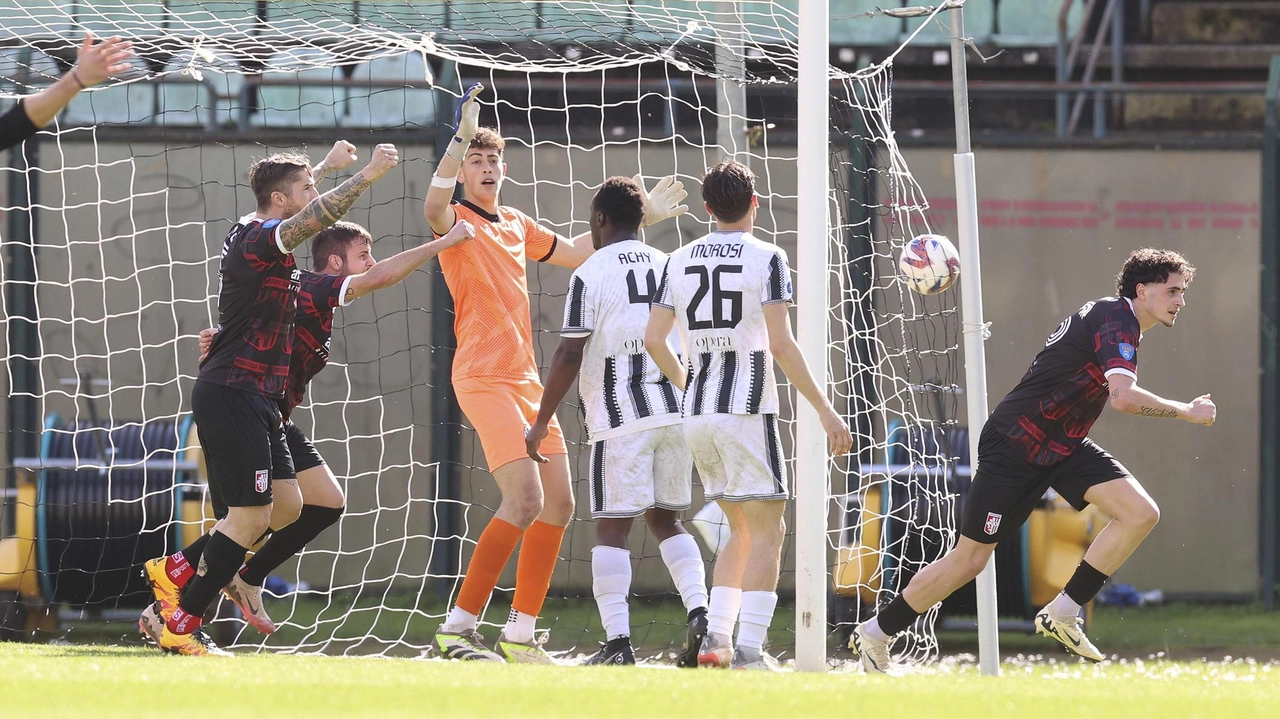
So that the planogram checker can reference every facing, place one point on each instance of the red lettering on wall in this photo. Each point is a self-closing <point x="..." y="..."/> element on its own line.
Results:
<point x="1076" y="214"/>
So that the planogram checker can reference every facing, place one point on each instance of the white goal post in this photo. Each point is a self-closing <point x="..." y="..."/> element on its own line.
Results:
<point x="813" y="460"/>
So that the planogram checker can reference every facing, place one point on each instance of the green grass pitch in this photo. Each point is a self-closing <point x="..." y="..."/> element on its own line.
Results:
<point x="54" y="680"/>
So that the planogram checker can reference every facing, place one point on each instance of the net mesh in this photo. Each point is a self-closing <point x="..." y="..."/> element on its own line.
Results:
<point x="133" y="190"/>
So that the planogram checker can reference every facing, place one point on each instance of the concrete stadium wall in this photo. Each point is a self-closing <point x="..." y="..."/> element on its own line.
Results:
<point x="1056" y="225"/>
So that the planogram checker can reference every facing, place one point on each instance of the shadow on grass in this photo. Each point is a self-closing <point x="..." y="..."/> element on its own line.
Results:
<point x="402" y="624"/>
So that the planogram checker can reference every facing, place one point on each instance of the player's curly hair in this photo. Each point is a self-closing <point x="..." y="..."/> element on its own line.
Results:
<point x="727" y="189"/>
<point x="336" y="239"/>
<point x="1151" y="266"/>
<point x="487" y="138"/>
<point x="622" y="201"/>
<point x="274" y="173"/>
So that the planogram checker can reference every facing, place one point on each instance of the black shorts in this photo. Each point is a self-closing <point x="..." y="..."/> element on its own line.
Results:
<point x="301" y="449"/>
<point x="244" y="445"/>
<point x="1006" y="487"/>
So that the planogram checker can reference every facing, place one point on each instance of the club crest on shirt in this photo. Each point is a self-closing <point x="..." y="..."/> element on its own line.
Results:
<point x="261" y="478"/>
<point x="993" y="523"/>
<point x="1126" y="350"/>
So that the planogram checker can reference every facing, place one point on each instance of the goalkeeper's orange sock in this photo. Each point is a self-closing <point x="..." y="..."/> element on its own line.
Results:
<point x="538" y="555"/>
<point x="497" y="542"/>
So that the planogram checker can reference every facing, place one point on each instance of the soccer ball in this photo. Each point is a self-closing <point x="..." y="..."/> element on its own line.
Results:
<point x="929" y="264"/>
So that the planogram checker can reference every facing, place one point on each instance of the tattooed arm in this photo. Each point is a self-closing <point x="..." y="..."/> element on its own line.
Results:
<point x="332" y="205"/>
<point x="340" y="156"/>
<point x="1128" y="397"/>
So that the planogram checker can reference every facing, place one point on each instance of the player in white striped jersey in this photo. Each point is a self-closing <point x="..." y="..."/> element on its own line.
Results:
<point x="729" y="293"/>
<point x="639" y="462"/>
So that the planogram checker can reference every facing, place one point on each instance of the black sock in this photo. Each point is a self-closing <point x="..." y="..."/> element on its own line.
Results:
<point x="1084" y="584"/>
<point x="287" y="542"/>
<point x="193" y="551"/>
<point x="222" y="557"/>
<point x="896" y="616"/>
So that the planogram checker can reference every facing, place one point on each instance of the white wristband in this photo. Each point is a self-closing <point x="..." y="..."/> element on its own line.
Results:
<point x="459" y="144"/>
<point x="447" y="183"/>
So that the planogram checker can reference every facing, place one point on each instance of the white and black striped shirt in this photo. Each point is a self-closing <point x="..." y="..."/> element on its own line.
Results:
<point x="718" y="287"/>
<point x="622" y="389"/>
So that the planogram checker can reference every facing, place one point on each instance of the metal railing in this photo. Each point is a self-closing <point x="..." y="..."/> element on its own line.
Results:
<point x="1111" y="24"/>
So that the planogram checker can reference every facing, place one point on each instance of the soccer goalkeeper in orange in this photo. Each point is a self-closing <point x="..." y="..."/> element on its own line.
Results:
<point x="495" y="377"/>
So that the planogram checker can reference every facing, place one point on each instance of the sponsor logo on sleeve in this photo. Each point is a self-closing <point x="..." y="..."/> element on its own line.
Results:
<point x="1126" y="351"/>
<point x="261" y="478"/>
<point x="993" y="523"/>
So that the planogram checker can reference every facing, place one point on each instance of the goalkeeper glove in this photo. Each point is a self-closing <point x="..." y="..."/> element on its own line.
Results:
<point x="663" y="202"/>
<point x="467" y="119"/>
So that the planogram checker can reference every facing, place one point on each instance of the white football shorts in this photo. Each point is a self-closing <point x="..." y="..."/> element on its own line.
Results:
<point x="739" y="456"/>
<point x="631" y="473"/>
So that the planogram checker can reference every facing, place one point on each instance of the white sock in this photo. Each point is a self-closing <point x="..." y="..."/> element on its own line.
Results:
<point x="460" y="620"/>
<point x="872" y="629"/>
<point x="519" y="627"/>
<point x="722" y="612"/>
<point x="684" y="561"/>
<point x="611" y="584"/>
<point x="1064" y="608"/>
<point x="757" y="613"/>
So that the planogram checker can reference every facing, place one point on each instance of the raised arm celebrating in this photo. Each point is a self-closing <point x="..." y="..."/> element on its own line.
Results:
<point x="340" y="156"/>
<point x="328" y="208"/>
<point x="94" y="63"/>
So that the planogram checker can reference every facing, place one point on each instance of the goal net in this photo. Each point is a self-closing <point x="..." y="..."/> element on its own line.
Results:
<point x="116" y="214"/>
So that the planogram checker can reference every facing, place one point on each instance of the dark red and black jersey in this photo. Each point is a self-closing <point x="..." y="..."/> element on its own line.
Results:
<point x="257" y="297"/>
<point x="318" y="296"/>
<point x="1051" y="410"/>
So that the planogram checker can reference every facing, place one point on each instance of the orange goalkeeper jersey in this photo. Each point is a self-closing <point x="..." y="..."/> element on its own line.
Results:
<point x="486" y="276"/>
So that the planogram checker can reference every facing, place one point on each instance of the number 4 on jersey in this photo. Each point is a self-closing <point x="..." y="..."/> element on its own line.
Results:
<point x="633" y="290"/>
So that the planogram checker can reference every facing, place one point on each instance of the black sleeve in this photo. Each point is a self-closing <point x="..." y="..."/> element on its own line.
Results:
<point x="15" y="126"/>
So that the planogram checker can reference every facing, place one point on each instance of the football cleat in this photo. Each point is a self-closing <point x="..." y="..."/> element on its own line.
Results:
<point x="873" y="653"/>
<point x="249" y="599"/>
<point x="466" y="645"/>
<point x="166" y="591"/>
<point x="615" y="652"/>
<point x="695" y="632"/>
<point x="1069" y="634"/>
<point x="716" y="651"/>
<point x="522" y="652"/>
<point x="753" y="660"/>
<point x="195" y="644"/>
<point x="150" y="623"/>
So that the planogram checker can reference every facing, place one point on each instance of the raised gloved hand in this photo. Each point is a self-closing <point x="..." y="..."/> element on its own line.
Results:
<point x="663" y="201"/>
<point x="467" y="116"/>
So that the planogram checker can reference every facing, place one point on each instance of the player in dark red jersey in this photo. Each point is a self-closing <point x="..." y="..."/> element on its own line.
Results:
<point x="344" y="271"/>
<point x="241" y="381"/>
<point x="1036" y="439"/>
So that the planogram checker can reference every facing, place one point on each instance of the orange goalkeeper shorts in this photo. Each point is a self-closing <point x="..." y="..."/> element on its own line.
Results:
<point x="501" y="409"/>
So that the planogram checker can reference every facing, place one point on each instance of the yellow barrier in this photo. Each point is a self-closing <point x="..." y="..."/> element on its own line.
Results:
<point x="196" y="517"/>
<point x="1057" y="538"/>
<point x="18" y="553"/>
<point x="858" y="566"/>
